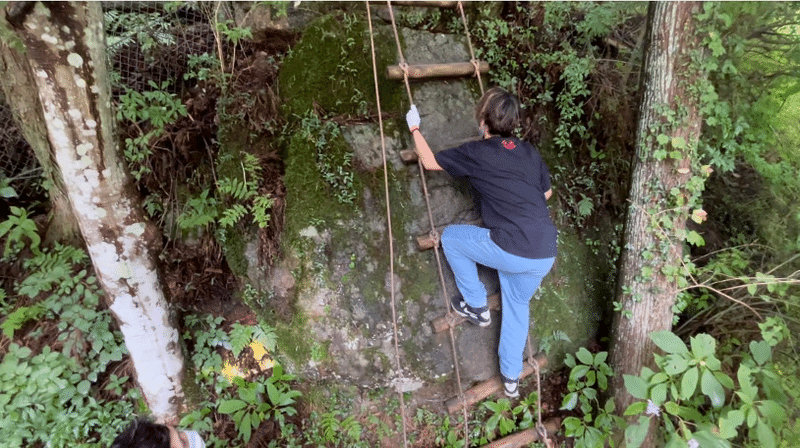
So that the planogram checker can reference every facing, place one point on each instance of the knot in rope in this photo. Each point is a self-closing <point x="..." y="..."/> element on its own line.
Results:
<point x="541" y="431"/>
<point x="477" y="66"/>
<point x="435" y="237"/>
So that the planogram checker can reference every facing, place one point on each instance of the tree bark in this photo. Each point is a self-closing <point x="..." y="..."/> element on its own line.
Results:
<point x="65" y="46"/>
<point x="18" y="82"/>
<point x="652" y="243"/>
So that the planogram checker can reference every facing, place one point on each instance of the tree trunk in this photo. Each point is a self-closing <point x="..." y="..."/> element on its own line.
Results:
<point x="18" y="82"/>
<point x="667" y="135"/>
<point x="65" y="46"/>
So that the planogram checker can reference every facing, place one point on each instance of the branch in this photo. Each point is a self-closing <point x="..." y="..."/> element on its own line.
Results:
<point x="727" y="296"/>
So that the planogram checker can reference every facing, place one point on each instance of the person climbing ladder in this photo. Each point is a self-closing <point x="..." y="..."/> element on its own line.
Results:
<point x="511" y="184"/>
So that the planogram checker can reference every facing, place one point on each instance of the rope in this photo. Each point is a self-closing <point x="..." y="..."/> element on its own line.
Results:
<point x="540" y="429"/>
<point x="469" y="44"/>
<point x="404" y="66"/>
<point x="389" y="225"/>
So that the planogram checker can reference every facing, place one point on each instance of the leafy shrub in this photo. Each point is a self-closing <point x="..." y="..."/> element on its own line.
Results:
<point x="52" y="396"/>
<point x="251" y="408"/>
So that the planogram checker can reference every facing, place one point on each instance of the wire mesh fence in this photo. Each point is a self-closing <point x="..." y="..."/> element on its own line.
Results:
<point x="149" y="44"/>
<point x="19" y="168"/>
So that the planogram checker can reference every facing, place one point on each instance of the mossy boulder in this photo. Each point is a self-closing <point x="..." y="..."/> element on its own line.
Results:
<point x="336" y="235"/>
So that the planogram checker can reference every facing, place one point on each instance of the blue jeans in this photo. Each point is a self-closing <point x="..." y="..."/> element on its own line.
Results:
<point x="465" y="246"/>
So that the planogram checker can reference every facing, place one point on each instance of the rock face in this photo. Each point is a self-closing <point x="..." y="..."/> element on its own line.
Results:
<point x="339" y="260"/>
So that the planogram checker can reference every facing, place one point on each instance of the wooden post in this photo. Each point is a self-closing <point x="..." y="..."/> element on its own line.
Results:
<point x="437" y="70"/>
<point x="491" y="386"/>
<point x="443" y="323"/>
<point x="526" y="437"/>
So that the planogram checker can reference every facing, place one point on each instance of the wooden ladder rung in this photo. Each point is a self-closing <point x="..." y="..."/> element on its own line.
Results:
<point x="419" y="71"/>
<point x="425" y="242"/>
<point x="408" y="155"/>
<point x="443" y="323"/>
<point x="490" y="386"/>
<point x="526" y="437"/>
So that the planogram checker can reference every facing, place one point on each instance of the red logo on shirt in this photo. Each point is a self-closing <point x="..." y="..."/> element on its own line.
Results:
<point x="508" y="144"/>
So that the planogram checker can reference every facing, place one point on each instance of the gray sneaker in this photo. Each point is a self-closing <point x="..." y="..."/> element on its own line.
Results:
<point x="478" y="316"/>
<point x="510" y="387"/>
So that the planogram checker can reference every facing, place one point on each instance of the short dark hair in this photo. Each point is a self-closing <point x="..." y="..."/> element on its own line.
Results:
<point x="143" y="433"/>
<point x="499" y="110"/>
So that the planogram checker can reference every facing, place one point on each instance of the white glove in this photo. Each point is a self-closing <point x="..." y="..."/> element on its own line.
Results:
<point x="412" y="118"/>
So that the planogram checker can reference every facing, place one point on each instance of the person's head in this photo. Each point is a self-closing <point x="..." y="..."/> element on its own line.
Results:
<point x="143" y="433"/>
<point x="498" y="110"/>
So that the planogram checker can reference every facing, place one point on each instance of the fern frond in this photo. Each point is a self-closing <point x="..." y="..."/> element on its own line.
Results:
<point x="240" y="337"/>
<point x="232" y="215"/>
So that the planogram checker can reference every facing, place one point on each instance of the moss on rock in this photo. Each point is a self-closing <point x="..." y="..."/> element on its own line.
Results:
<point x="567" y="306"/>
<point x="331" y="67"/>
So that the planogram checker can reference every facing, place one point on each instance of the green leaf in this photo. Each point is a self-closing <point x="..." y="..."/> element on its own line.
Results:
<point x="712" y="389"/>
<point x="766" y="438"/>
<point x="729" y="424"/>
<point x="752" y="417"/>
<point x="669" y="342"/>
<point x="745" y="382"/>
<point x="584" y="356"/>
<point x="672" y="408"/>
<point x="695" y="239"/>
<point x="678" y="142"/>
<point x="8" y="192"/>
<point x="230" y="406"/>
<point x="675" y="441"/>
<point x="659" y="393"/>
<point x="578" y="372"/>
<point x="600" y="358"/>
<point x="635" y="434"/>
<point x="706" y="439"/>
<point x="570" y="401"/>
<point x="65" y="394"/>
<point x="724" y="379"/>
<point x="636" y="386"/>
<point x="662" y="139"/>
<point x="572" y="425"/>
<point x="773" y="412"/>
<point x="761" y="351"/>
<point x="84" y="386"/>
<point x="703" y="346"/>
<point x="245" y="429"/>
<point x="675" y="365"/>
<point x="636" y="408"/>
<point x="491" y="424"/>
<point x="659" y="377"/>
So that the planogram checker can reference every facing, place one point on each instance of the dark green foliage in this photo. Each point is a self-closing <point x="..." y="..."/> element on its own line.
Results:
<point x="330" y="69"/>
<point x="320" y="182"/>
<point x="53" y="395"/>
<point x="752" y="113"/>
<point x="578" y="89"/>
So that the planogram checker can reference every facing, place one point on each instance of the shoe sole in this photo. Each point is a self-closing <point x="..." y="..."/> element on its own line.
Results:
<point x="469" y="318"/>
<point x="515" y="395"/>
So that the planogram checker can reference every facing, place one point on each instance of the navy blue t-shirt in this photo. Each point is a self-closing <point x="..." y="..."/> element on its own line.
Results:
<point x="510" y="179"/>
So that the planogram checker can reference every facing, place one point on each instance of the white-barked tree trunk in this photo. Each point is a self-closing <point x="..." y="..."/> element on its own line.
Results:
<point x="65" y="46"/>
